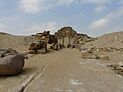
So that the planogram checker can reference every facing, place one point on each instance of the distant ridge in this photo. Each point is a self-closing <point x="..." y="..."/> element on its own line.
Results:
<point x="3" y="33"/>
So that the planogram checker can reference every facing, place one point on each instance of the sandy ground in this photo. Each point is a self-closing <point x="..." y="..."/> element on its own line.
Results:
<point x="64" y="71"/>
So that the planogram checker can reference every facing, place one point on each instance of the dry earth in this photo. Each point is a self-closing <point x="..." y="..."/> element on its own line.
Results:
<point x="64" y="71"/>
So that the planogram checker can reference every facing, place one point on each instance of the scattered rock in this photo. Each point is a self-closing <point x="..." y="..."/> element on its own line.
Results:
<point x="116" y="68"/>
<point x="83" y="50"/>
<point x="104" y="57"/>
<point x="88" y="55"/>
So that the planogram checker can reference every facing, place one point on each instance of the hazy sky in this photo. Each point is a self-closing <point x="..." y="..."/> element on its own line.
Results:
<point x="93" y="17"/>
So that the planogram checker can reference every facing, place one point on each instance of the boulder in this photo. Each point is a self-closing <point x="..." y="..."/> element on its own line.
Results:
<point x="12" y="64"/>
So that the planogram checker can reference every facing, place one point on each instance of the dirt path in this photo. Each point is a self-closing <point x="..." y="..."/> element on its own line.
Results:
<point x="64" y="71"/>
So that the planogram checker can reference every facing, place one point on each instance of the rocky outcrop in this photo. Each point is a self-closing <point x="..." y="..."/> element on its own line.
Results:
<point x="12" y="64"/>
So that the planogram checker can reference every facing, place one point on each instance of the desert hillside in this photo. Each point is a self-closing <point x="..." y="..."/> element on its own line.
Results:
<point x="19" y="43"/>
<point x="112" y="42"/>
<point x="108" y="40"/>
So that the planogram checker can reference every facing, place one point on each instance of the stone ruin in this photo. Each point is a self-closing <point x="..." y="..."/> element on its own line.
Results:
<point x="74" y="39"/>
<point x="66" y="32"/>
<point x="64" y="37"/>
<point x="41" y="42"/>
<point x="91" y="55"/>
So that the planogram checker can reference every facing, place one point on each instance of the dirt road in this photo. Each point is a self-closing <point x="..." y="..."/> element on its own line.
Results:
<point x="63" y="71"/>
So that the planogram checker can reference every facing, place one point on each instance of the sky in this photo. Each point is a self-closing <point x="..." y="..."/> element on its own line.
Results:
<point x="92" y="17"/>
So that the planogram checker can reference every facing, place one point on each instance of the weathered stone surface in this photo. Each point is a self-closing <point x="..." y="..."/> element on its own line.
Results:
<point x="6" y="52"/>
<point x="12" y="64"/>
<point x="38" y="46"/>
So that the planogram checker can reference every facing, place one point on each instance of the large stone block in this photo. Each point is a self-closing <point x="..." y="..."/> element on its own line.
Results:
<point x="12" y="64"/>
